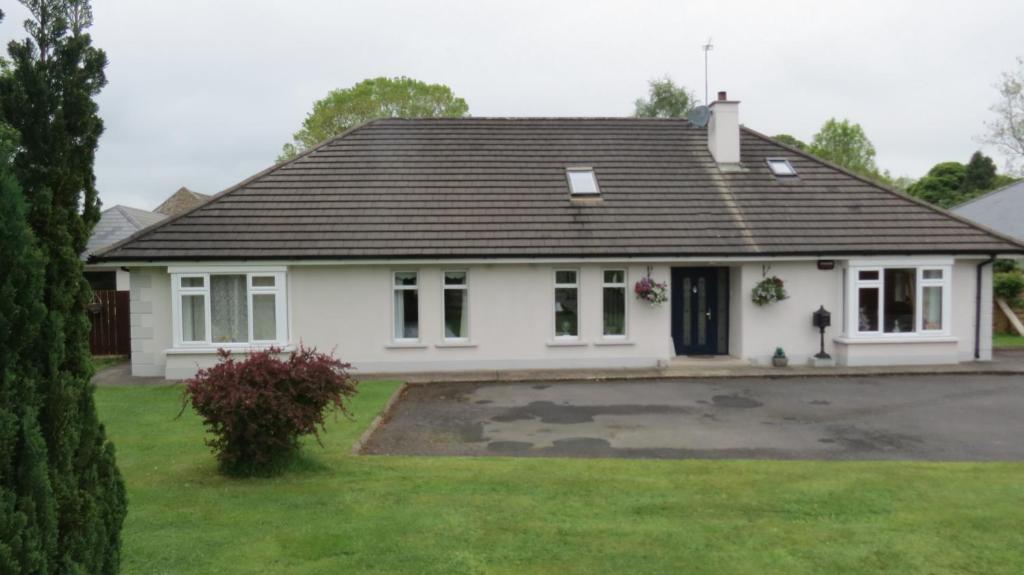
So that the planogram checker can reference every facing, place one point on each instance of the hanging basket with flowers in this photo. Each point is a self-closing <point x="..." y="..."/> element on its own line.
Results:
<point x="650" y="291"/>
<point x="769" y="290"/>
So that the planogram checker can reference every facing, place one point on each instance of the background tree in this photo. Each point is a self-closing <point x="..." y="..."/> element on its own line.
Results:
<point x="48" y="97"/>
<point x="979" y="175"/>
<point x="942" y="185"/>
<point x="792" y="141"/>
<point x="951" y="183"/>
<point x="1007" y="130"/>
<point x="664" y="100"/>
<point x="845" y="143"/>
<point x="370" y="99"/>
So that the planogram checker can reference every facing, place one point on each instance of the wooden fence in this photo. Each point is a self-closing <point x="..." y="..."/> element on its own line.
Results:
<point x="111" y="327"/>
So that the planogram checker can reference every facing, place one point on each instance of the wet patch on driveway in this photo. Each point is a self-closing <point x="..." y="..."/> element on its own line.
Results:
<point x="948" y="417"/>
<point x="550" y="412"/>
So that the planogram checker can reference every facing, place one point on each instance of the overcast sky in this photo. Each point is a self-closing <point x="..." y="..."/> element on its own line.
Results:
<point x="204" y="93"/>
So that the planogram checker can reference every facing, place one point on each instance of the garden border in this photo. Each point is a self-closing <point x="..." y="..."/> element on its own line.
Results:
<point x="379" y="419"/>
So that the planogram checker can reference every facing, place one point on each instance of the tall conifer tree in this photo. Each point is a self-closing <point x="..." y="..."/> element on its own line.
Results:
<point x="28" y="524"/>
<point x="48" y="98"/>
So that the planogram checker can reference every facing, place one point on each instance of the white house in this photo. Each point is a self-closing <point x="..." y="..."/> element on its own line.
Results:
<point x="476" y="243"/>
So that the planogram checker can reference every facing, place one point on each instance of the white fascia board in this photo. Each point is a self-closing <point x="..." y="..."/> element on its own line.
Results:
<point x="219" y="267"/>
<point x="240" y="266"/>
<point x="269" y="265"/>
<point x="915" y="261"/>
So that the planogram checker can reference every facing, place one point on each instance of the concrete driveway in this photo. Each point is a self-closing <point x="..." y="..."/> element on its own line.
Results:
<point x="942" y="417"/>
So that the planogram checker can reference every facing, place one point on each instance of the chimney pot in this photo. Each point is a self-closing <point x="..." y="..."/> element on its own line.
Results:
<point x="722" y="96"/>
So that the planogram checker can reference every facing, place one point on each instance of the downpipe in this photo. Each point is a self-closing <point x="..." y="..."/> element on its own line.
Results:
<point x="977" y="308"/>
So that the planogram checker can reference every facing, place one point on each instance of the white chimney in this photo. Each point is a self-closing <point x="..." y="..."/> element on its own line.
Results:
<point x="724" y="131"/>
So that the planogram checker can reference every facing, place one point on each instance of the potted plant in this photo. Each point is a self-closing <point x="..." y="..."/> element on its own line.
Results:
<point x="780" y="359"/>
<point x="650" y="291"/>
<point x="770" y="289"/>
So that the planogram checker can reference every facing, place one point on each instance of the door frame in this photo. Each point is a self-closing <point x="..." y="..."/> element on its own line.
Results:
<point x="719" y="305"/>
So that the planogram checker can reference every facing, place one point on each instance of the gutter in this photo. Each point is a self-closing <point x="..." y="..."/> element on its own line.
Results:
<point x="977" y="308"/>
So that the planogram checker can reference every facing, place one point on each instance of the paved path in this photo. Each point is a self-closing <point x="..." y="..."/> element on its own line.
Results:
<point x="1005" y="362"/>
<point x="121" y="374"/>
<point x="948" y="417"/>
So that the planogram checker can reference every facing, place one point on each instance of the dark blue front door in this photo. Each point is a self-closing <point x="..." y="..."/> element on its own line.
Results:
<point x="699" y="305"/>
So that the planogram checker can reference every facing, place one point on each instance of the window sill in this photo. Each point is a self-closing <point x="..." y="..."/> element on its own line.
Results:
<point x="455" y="344"/>
<point x="896" y="339"/>
<point x="234" y="349"/>
<point x="406" y="345"/>
<point x="613" y="342"/>
<point x="566" y="343"/>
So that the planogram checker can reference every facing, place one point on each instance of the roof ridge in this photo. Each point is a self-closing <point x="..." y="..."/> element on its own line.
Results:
<point x="223" y="193"/>
<point x="886" y="188"/>
<point x="123" y="210"/>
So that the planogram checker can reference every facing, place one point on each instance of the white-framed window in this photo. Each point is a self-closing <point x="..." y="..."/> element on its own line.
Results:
<point x="582" y="181"/>
<point x="566" y="312"/>
<point x="406" y="309"/>
<point x="613" y="303"/>
<point x="235" y="308"/>
<point x="455" y="306"/>
<point x="781" y="167"/>
<point x="899" y="300"/>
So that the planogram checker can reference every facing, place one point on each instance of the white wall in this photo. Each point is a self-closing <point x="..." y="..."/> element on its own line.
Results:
<point x="785" y="324"/>
<point x="511" y="323"/>
<point x="511" y="320"/>
<point x="122" y="279"/>
<point x="150" y="304"/>
<point x="348" y="309"/>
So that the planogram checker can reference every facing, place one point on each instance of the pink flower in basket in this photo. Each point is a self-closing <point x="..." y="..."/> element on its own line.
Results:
<point x="651" y="291"/>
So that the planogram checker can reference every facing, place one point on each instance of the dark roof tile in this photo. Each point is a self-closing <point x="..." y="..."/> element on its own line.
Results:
<point x="482" y="187"/>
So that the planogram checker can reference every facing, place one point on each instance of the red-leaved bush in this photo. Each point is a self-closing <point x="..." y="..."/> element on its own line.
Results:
<point x="257" y="408"/>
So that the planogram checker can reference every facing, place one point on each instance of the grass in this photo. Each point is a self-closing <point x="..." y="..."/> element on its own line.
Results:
<point x="1006" y="340"/>
<point x="338" y="513"/>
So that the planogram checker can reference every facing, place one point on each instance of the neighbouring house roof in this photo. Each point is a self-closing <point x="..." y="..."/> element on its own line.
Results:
<point x="1002" y="210"/>
<point x="118" y="223"/>
<point x="496" y="187"/>
<point x="181" y="201"/>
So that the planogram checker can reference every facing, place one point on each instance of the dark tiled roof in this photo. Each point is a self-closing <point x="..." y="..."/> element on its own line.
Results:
<point x="482" y="187"/>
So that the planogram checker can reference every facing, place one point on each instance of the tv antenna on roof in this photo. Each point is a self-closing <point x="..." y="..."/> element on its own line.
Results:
<point x="707" y="48"/>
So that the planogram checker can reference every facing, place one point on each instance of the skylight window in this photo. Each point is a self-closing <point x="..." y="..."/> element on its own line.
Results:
<point x="781" y="167"/>
<point x="582" y="181"/>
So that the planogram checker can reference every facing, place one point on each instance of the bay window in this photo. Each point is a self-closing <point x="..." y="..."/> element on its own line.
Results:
<point x="899" y="300"/>
<point x="613" y="295"/>
<point x="229" y="309"/>
<point x="456" y="306"/>
<point x="567" y="323"/>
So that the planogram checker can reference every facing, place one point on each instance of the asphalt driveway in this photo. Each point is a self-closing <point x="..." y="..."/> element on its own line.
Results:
<point x="943" y="417"/>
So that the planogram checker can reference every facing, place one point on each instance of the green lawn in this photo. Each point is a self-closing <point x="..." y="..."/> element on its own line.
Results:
<point x="1007" y="340"/>
<point x="339" y="513"/>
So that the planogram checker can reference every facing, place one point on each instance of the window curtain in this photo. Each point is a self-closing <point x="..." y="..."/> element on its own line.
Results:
<point x="193" y="317"/>
<point x="455" y="316"/>
<point x="229" y="309"/>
